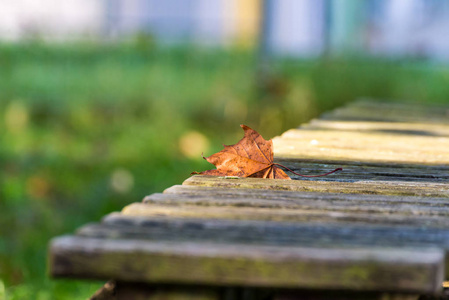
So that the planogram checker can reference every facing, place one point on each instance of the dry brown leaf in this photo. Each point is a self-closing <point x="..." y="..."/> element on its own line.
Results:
<point x="252" y="156"/>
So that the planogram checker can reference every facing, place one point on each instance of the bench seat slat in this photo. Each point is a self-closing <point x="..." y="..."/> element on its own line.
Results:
<point x="402" y="270"/>
<point x="260" y="232"/>
<point x="380" y="225"/>
<point x="426" y="189"/>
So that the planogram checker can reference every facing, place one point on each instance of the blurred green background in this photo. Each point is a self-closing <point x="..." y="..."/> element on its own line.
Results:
<point x="86" y="129"/>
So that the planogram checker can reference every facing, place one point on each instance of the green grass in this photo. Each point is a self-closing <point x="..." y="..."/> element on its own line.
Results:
<point x="88" y="129"/>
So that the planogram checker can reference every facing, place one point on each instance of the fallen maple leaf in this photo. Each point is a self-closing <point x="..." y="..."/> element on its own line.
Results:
<point x="252" y="156"/>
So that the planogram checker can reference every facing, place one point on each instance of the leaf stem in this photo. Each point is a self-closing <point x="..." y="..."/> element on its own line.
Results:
<point x="337" y="169"/>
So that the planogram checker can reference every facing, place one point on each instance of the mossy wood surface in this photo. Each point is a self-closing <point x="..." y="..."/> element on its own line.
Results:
<point x="214" y="263"/>
<point x="382" y="224"/>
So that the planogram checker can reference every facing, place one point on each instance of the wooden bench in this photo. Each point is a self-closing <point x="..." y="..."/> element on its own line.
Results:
<point x="377" y="230"/>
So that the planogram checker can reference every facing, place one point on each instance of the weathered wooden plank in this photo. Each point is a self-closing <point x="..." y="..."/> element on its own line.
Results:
<point x="353" y="139"/>
<point x="414" y="270"/>
<point x="285" y="206"/>
<point x="355" y="171"/>
<point x="321" y="217"/>
<point x="216" y="196"/>
<point x="368" y="132"/>
<point x="379" y="111"/>
<point x="291" y="204"/>
<point x="396" y="128"/>
<point x="158" y="228"/>
<point x="423" y="189"/>
<point x="275" y="197"/>
<point x="271" y="213"/>
<point x="362" y="146"/>
<point x="265" y="233"/>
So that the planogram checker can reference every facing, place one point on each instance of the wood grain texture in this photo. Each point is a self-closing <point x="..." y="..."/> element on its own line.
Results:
<point x="372" y="132"/>
<point x="397" y="128"/>
<point x="260" y="198"/>
<point x="209" y="263"/>
<point x="389" y="111"/>
<point x="354" y="171"/>
<point x="407" y="188"/>
<point x="305" y="206"/>
<point x="382" y="147"/>
<point x="265" y="233"/>
<point x="288" y="206"/>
